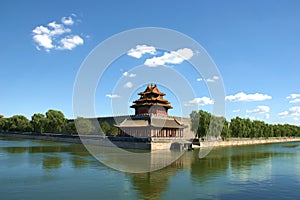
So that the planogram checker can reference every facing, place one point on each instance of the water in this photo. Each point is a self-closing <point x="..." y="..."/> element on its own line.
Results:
<point x="32" y="169"/>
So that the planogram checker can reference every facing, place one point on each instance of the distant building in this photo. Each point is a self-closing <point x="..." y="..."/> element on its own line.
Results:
<point x="1" y="116"/>
<point x="151" y="117"/>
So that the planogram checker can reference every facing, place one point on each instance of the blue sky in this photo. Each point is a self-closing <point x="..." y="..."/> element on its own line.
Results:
<point x="255" y="45"/>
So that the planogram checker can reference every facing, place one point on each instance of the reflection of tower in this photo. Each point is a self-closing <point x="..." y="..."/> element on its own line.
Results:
<point x="151" y="102"/>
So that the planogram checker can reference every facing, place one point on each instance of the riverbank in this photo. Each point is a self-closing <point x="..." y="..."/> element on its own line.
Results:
<point x="143" y="143"/>
<point x="248" y="141"/>
<point x="48" y="137"/>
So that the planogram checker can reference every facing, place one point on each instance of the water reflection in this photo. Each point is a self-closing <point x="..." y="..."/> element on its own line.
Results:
<point x="223" y="171"/>
<point x="79" y="162"/>
<point x="150" y="185"/>
<point x="208" y="167"/>
<point x="79" y="157"/>
<point x="52" y="162"/>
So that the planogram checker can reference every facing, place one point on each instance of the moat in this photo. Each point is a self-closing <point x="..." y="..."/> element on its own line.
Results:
<point x="33" y="169"/>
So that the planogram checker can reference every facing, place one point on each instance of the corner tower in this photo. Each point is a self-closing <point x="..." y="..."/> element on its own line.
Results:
<point x="151" y="101"/>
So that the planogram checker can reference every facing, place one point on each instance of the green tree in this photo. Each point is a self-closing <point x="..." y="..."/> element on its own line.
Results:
<point x="56" y="121"/>
<point x="105" y="127"/>
<point x="71" y="128"/>
<point x="39" y="122"/>
<point x="216" y="126"/>
<point x="204" y="121"/>
<point x="19" y="123"/>
<point x="3" y="124"/>
<point x="194" y="116"/>
<point x="226" y="130"/>
<point x="84" y="126"/>
<point x="113" y="131"/>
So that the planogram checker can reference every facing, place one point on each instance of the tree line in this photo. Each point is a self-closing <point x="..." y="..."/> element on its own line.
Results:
<point x="54" y="121"/>
<point x="205" y="125"/>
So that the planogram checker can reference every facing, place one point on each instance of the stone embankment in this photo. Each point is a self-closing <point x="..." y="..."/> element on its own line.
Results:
<point x="248" y="141"/>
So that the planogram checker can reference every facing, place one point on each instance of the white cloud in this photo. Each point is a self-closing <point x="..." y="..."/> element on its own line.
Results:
<point x="41" y="30"/>
<point x="56" y="36"/>
<point x="296" y="119"/>
<point x="128" y="85"/>
<point x="295" y="98"/>
<point x="213" y="79"/>
<point x="57" y="29"/>
<point x="260" y="110"/>
<point x="70" y="42"/>
<point x="235" y="111"/>
<point x="293" y="111"/>
<point x="283" y="114"/>
<point x="112" y="96"/>
<point x="43" y="40"/>
<point x="242" y="97"/>
<point x="209" y="80"/>
<point x="202" y="101"/>
<point x="295" y="101"/>
<point x="173" y="57"/>
<point x="129" y="75"/>
<point x="140" y="50"/>
<point x="67" y="21"/>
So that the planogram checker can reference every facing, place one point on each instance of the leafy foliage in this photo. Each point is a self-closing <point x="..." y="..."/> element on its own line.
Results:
<point x="108" y="129"/>
<point x="84" y="126"/>
<point x="39" y="123"/>
<point x="56" y="121"/>
<point x="204" y="124"/>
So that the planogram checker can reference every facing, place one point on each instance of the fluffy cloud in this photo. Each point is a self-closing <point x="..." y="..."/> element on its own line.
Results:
<point x="128" y="85"/>
<point x="56" y="36"/>
<point x="43" y="41"/>
<point x="293" y="111"/>
<point x="140" y="50"/>
<point x="283" y="114"/>
<point x="202" y="101"/>
<point x="129" y="75"/>
<point x="242" y="97"/>
<point x="235" y="111"/>
<point x="70" y="42"/>
<point x="112" y="96"/>
<point x="173" y="57"/>
<point x="260" y="110"/>
<point x="294" y="98"/>
<point x="209" y="80"/>
<point x="67" y="21"/>
<point x="213" y="79"/>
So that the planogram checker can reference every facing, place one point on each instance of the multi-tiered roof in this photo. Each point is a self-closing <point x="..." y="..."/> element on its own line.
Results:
<point x="151" y="102"/>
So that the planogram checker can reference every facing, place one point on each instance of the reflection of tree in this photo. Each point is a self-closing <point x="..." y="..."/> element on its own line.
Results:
<point x="79" y="162"/>
<point x="16" y="149"/>
<point x="206" y="168"/>
<point x="245" y="160"/>
<point x="52" y="162"/>
<point x="150" y="185"/>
